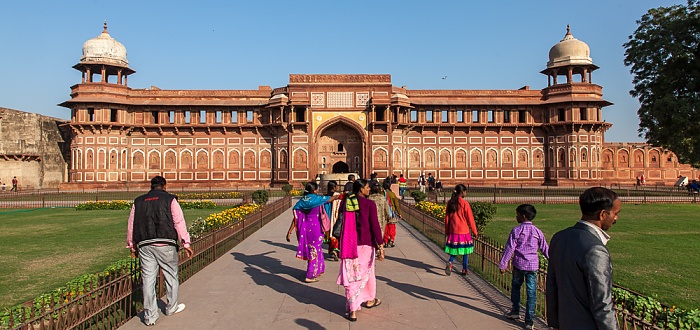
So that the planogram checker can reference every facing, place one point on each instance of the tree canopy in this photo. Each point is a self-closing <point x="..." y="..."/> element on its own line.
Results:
<point x="664" y="56"/>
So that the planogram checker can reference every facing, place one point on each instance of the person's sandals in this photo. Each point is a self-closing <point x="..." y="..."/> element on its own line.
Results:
<point x="334" y="255"/>
<point x="465" y="272"/>
<point x="350" y="318"/>
<point x="448" y="269"/>
<point x="375" y="303"/>
<point x="311" y="280"/>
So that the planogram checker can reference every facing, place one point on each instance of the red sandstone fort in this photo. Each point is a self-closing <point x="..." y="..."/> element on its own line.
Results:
<point x="338" y="123"/>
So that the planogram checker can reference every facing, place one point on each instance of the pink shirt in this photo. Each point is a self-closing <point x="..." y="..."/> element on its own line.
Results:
<point x="178" y="221"/>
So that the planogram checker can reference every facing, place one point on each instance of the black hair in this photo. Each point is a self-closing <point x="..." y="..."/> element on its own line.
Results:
<point x="527" y="210"/>
<point x="330" y="188"/>
<point x="158" y="182"/>
<point x="596" y="199"/>
<point x="357" y="185"/>
<point x="375" y="187"/>
<point x="452" y="204"/>
<point x="310" y="188"/>
<point x="386" y="185"/>
<point x="351" y="177"/>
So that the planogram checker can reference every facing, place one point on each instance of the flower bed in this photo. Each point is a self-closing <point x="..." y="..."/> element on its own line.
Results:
<point x="211" y="195"/>
<point x="125" y="205"/>
<point x="224" y="218"/>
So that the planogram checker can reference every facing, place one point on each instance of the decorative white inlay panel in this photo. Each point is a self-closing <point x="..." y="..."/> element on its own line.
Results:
<point x="317" y="100"/>
<point x="340" y="100"/>
<point x="361" y="99"/>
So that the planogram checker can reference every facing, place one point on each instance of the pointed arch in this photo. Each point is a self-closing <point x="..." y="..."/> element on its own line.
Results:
<point x="218" y="159"/>
<point x="430" y="158"/>
<point x="170" y="159"/>
<point x="507" y="158"/>
<point x="154" y="160"/>
<point x="623" y="158"/>
<point x="234" y="159"/>
<point x="523" y="158"/>
<point x="138" y="159"/>
<point x="300" y="158"/>
<point x="113" y="159"/>
<point x="461" y="159"/>
<point x="202" y="159"/>
<point x="186" y="159"/>
<point x="249" y="159"/>
<point x="101" y="158"/>
<point x="414" y="158"/>
<point x="538" y="158"/>
<point x="445" y="159"/>
<point x="476" y="158"/>
<point x="491" y="157"/>
<point x="265" y="158"/>
<point x="397" y="158"/>
<point x="380" y="158"/>
<point x="283" y="158"/>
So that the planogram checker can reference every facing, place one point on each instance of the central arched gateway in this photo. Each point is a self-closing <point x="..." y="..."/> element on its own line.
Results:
<point x="340" y="149"/>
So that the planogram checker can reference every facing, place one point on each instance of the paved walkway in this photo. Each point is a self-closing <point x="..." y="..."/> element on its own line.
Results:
<point x="258" y="285"/>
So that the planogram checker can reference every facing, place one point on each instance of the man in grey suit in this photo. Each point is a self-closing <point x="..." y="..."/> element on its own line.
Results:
<point x="579" y="277"/>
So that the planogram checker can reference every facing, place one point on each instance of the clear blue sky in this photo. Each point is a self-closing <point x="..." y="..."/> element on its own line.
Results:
<point x="244" y="44"/>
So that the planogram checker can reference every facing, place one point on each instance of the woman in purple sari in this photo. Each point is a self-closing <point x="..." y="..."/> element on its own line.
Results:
<point x="360" y="237"/>
<point x="309" y="232"/>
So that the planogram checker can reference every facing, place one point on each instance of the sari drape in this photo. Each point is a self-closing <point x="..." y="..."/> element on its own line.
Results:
<point x="310" y="245"/>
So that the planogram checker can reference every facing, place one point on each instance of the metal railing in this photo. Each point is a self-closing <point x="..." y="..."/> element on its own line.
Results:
<point x="107" y="301"/>
<point x="55" y="198"/>
<point x="561" y="195"/>
<point x="486" y="259"/>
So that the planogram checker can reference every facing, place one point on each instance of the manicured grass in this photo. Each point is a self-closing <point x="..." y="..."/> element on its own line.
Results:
<point x="654" y="247"/>
<point x="43" y="249"/>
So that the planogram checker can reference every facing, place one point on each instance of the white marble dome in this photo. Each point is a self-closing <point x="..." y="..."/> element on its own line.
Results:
<point x="104" y="49"/>
<point x="569" y="51"/>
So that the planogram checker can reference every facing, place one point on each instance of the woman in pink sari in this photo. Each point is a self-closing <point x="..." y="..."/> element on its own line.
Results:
<point x="359" y="238"/>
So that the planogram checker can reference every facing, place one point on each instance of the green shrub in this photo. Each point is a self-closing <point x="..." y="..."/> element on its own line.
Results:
<point x="483" y="214"/>
<point x="287" y="189"/>
<point x="418" y="195"/>
<point x="260" y="197"/>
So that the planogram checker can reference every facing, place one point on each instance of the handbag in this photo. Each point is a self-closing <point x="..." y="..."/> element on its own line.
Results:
<point x="338" y="226"/>
<point x="325" y="220"/>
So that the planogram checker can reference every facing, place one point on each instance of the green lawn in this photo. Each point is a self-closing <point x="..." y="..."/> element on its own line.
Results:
<point x="654" y="247"/>
<point x="43" y="249"/>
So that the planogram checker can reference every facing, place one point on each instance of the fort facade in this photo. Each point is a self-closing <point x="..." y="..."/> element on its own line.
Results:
<point x="337" y="123"/>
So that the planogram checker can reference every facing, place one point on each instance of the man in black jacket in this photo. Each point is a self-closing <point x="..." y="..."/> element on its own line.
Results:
<point x="155" y="229"/>
<point x="579" y="277"/>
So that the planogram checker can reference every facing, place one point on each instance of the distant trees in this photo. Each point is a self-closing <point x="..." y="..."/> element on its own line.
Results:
<point x="664" y="56"/>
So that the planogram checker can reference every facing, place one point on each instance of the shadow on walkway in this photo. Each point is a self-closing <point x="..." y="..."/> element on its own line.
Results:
<point x="263" y="269"/>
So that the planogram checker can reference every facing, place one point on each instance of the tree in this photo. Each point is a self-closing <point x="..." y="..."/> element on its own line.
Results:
<point x="664" y="56"/>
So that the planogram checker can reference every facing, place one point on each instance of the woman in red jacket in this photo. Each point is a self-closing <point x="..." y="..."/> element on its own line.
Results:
<point x="458" y="220"/>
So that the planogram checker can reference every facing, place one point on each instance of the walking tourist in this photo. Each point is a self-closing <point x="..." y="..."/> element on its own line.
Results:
<point x="309" y="232"/>
<point x="394" y="216"/>
<point x="402" y="185"/>
<point x="458" y="220"/>
<point x="360" y="238"/>
<point x="331" y="210"/>
<point x="14" y="184"/>
<point x="376" y="194"/>
<point x="421" y="182"/>
<point x="523" y="243"/>
<point x="348" y="185"/>
<point x="155" y="228"/>
<point x="579" y="276"/>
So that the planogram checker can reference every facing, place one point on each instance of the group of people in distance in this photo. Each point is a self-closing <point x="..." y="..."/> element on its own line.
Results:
<point x="579" y="275"/>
